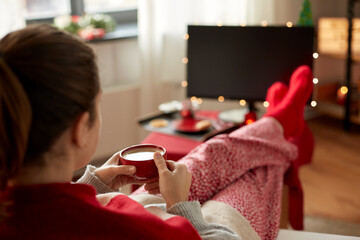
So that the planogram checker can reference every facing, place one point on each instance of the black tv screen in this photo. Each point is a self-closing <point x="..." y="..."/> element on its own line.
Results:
<point x="242" y="62"/>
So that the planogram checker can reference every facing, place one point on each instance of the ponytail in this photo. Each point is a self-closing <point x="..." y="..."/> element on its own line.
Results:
<point x="15" y="120"/>
<point x="46" y="76"/>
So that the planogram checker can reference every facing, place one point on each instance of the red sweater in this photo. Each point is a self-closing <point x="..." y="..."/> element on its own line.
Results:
<point x="71" y="211"/>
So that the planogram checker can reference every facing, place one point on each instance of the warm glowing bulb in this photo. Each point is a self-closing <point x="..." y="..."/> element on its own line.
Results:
<point x="199" y="100"/>
<point x="315" y="80"/>
<point x="185" y="60"/>
<point x="264" y="23"/>
<point x="186" y="36"/>
<point x="266" y="104"/>
<point x="184" y="83"/>
<point x="242" y="24"/>
<point x="193" y="99"/>
<point x="242" y="102"/>
<point x="249" y="121"/>
<point x="344" y="90"/>
<point x="315" y="55"/>
<point x="289" y="24"/>
<point x="219" y="23"/>
<point x="221" y="99"/>
<point x="313" y="103"/>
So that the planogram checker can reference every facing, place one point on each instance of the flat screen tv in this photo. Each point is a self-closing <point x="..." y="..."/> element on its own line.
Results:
<point x="242" y="62"/>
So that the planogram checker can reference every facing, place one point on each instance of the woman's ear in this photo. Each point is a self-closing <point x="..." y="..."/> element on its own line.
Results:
<point x="81" y="129"/>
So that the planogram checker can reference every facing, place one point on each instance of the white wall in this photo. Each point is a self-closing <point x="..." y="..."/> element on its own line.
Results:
<point x="118" y="63"/>
<point x="119" y="110"/>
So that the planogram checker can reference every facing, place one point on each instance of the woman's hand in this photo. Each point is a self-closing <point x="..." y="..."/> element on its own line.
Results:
<point x="174" y="181"/>
<point x="160" y="213"/>
<point x="114" y="175"/>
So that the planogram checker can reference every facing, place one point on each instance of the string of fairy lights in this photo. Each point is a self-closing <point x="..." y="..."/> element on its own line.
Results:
<point x="242" y="102"/>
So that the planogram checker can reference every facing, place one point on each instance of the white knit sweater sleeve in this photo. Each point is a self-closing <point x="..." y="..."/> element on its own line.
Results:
<point x="90" y="178"/>
<point x="208" y="231"/>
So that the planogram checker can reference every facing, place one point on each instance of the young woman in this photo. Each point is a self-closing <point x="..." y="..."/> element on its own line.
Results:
<point x="49" y="104"/>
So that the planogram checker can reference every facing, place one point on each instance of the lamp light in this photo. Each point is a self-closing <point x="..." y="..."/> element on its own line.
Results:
<point x="266" y="104"/>
<point x="184" y="83"/>
<point x="242" y="102"/>
<point x="341" y="95"/>
<point x="344" y="90"/>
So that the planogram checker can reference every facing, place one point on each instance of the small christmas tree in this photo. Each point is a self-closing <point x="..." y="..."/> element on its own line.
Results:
<point x="305" y="14"/>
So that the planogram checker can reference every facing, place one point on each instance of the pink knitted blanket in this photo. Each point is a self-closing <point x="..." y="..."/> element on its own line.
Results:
<point x="244" y="169"/>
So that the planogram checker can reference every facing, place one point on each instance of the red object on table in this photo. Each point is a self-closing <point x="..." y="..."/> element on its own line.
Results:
<point x="176" y="147"/>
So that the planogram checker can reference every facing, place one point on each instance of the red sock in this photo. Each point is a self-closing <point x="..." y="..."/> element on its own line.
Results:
<point x="290" y="111"/>
<point x="275" y="94"/>
<point x="305" y="144"/>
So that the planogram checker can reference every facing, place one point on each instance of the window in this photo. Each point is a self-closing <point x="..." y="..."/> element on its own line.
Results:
<point x="35" y="9"/>
<point x="124" y="11"/>
<point x="93" y="6"/>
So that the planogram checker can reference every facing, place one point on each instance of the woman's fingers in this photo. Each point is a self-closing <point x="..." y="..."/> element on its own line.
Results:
<point x="150" y="186"/>
<point x="121" y="170"/>
<point x="109" y="173"/>
<point x="160" y="162"/>
<point x="170" y="165"/>
<point x="114" y="160"/>
<point x="155" y="191"/>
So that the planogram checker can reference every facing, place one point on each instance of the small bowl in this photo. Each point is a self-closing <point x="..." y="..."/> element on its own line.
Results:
<point x="142" y="157"/>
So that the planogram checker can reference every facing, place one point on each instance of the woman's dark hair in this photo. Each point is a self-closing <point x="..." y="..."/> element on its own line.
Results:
<point x="47" y="78"/>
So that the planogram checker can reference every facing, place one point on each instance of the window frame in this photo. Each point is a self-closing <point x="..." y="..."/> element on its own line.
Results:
<point x="126" y="17"/>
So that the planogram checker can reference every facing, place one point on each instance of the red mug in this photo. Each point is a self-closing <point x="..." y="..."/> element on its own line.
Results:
<point x="142" y="157"/>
